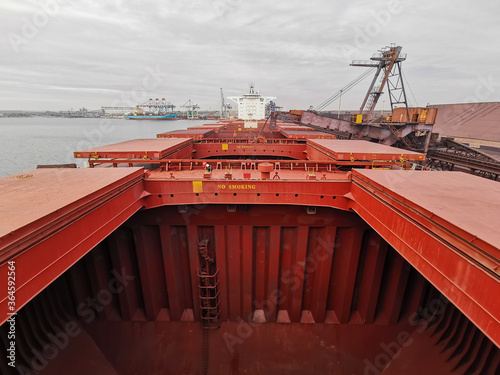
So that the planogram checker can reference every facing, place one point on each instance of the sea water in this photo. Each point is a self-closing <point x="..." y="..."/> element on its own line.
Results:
<point x="29" y="141"/>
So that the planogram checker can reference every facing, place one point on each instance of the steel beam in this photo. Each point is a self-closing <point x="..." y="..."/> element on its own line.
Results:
<point x="310" y="193"/>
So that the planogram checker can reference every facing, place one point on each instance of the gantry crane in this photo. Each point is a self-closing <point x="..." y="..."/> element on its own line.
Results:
<point x="191" y="110"/>
<point x="156" y="106"/>
<point x="225" y="108"/>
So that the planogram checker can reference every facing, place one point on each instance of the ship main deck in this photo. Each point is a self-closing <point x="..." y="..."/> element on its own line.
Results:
<point x="260" y="254"/>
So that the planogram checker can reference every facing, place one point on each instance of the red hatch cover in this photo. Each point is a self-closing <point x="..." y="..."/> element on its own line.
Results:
<point x="154" y="148"/>
<point x="362" y="150"/>
<point x="189" y="133"/>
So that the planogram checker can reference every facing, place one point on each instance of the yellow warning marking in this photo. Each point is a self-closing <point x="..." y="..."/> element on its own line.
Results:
<point x="242" y="187"/>
<point x="197" y="186"/>
<point x="225" y="147"/>
<point x="22" y="176"/>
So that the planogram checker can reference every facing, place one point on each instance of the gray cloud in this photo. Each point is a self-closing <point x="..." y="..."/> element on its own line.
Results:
<point x="91" y="53"/>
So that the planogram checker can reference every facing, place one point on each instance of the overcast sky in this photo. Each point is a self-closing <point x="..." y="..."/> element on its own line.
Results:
<point x="57" y="54"/>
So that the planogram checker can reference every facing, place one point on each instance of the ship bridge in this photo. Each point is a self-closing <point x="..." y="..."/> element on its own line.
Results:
<point x="251" y="106"/>
<point x="290" y="253"/>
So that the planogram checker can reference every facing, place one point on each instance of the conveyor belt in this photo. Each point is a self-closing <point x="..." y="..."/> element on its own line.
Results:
<point x="448" y="154"/>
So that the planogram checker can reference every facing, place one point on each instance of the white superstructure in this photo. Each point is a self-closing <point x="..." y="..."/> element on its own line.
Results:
<point x="251" y="106"/>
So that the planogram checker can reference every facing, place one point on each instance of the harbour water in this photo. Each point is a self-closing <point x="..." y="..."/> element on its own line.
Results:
<point x="29" y="141"/>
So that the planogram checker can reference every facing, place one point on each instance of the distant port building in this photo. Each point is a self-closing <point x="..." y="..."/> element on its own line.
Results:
<point x="118" y="112"/>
